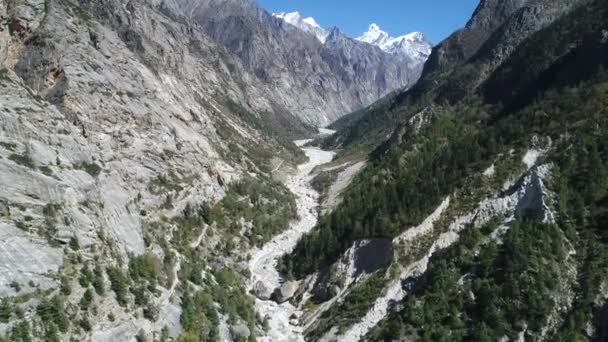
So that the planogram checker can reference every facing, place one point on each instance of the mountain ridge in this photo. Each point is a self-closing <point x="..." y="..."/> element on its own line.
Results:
<point x="492" y="157"/>
<point x="320" y="84"/>
<point x="415" y="46"/>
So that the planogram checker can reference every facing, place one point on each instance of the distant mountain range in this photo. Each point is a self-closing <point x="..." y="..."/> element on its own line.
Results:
<point x="415" y="47"/>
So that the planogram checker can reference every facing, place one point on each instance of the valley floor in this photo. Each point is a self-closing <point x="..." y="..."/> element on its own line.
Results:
<point x="264" y="261"/>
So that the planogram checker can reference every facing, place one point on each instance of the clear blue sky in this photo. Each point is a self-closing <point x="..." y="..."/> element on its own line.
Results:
<point x="436" y="18"/>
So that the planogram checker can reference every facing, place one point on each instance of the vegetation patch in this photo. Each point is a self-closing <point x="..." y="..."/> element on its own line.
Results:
<point x="352" y="308"/>
<point x="91" y="168"/>
<point x="23" y="159"/>
<point x="163" y="184"/>
<point x="9" y="146"/>
<point x="266" y="204"/>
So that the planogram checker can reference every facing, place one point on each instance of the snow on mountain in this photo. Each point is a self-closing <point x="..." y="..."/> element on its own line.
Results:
<point x="375" y="36"/>
<point x="309" y="24"/>
<point x="413" y="45"/>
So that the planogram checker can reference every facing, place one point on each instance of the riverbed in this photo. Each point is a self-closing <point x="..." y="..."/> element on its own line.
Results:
<point x="263" y="264"/>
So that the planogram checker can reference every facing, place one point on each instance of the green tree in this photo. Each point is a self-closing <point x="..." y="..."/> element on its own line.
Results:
<point x="5" y="310"/>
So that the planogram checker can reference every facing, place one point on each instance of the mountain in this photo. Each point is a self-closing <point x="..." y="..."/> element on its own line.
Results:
<point x="487" y="180"/>
<point x="452" y="70"/>
<point x="305" y="24"/>
<point x="308" y="78"/>
<point x="415" y="46"/>
<point x="159" y="181"/>
<point x="129" y="138"/>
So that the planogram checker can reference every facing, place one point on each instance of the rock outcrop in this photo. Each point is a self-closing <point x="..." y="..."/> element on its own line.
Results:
<point x="365" y="257"/>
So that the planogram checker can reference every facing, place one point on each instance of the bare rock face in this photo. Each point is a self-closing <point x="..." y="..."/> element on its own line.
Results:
<point x="285" y="292"/>
<point x="364" y="257"/>
<point x="99" y="99"/>
<point x="261" y="291"/>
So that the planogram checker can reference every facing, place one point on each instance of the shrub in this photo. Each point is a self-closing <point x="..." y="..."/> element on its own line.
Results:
<point x="91" y="168"/>
<point x="24" y="160"/>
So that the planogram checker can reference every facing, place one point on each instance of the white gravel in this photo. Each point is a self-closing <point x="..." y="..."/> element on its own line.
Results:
<point x="264" y="261"/>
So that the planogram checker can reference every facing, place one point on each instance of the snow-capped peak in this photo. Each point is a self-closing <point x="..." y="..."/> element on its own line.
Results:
<point x="374" y="36"/>
<point x="309" y="24"/>
<point x="413" y="45"/>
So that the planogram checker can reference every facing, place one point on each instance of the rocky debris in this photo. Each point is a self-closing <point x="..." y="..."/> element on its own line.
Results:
<point x="408" y="130"/>
<point x="342" y="181"/>
<point x="263" y="261"/>
<point x="285" y="292"/>
<point x="240" y="332"/>
<point x="421" y="119"/>
<point x="261" y="291"/>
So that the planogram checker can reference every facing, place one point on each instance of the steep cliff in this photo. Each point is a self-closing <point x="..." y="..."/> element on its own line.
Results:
<point x="133" y="169"/>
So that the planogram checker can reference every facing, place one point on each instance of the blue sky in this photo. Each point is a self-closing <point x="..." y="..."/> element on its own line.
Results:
<point x="436" y="18"/>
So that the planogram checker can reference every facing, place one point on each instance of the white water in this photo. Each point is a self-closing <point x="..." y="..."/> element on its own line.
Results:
<point x="264" y="261"/>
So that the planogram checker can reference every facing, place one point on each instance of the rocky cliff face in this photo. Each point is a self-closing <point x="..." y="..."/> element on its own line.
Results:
<point x="318" y="82"/>
<point x="115" y="120"/>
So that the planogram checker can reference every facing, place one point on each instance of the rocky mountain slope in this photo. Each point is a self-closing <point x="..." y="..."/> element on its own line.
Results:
<point x="319" y="82"/>
<point x="137" y="158"/>
<point x="459" y="65"/>
<point x="489" y="180"/>
<point x="149" y="188"/>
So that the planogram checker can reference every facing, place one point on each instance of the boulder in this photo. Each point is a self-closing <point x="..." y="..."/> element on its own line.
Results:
<point x="261" y="291"/>
<point x="285" y="292"/>
<point x="240" y="332"/>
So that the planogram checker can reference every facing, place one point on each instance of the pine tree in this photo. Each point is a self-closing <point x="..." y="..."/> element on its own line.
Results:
<point x="5" y="310"/>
